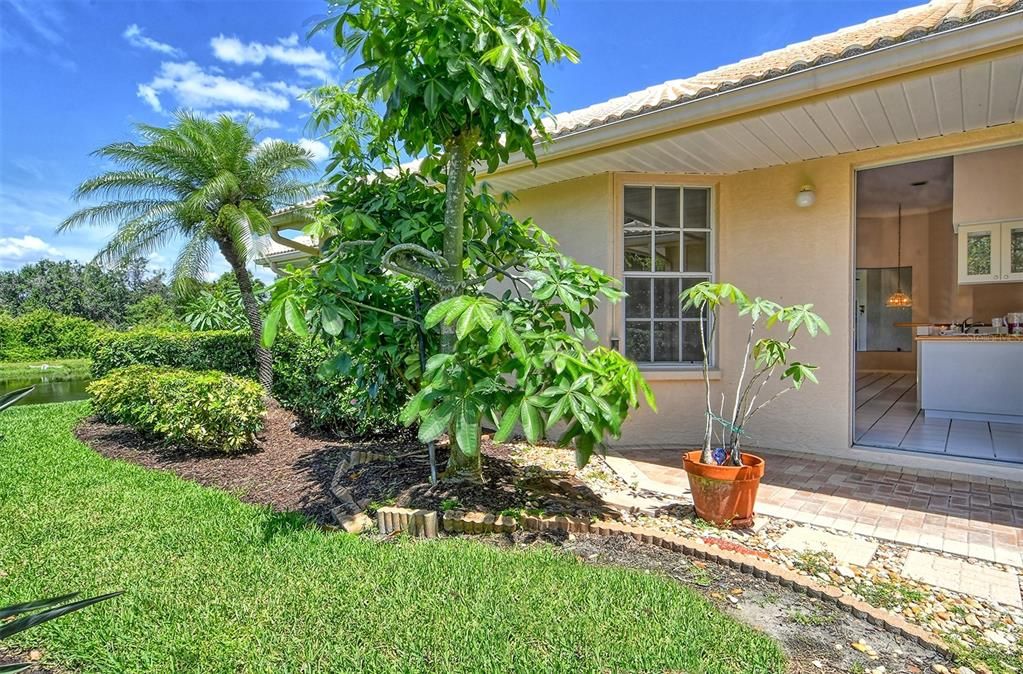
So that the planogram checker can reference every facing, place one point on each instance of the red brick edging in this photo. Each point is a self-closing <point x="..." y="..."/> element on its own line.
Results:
<point x="391" y="519"/>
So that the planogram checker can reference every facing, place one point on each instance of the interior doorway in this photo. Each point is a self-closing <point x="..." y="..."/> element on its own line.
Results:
<point x="908" y="287"/>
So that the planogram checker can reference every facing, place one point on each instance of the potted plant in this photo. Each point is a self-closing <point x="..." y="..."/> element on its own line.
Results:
<point x="722" y="478"/>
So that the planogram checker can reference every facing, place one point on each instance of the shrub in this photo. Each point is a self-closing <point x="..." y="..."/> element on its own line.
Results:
<point x="223" y="350"/>
<point x="45" y="334"/>
<point x="333" y="402"/>
<point x="206" y="410"/>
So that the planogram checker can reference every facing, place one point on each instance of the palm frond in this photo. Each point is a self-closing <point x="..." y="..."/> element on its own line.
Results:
<point x="116" y="211"/>
<point x="192" y="262"/>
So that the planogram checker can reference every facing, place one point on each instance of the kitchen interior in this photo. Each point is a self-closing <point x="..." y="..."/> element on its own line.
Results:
<point x="939" y="306"/>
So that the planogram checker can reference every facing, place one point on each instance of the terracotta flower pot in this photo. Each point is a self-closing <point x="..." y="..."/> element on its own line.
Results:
<point x="724" y="495"/>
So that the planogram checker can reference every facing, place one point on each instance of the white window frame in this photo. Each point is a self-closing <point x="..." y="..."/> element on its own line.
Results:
<point x="711" y="274"/>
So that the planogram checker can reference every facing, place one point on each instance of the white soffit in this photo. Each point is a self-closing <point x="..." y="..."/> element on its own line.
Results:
<point x="964" y="98"/>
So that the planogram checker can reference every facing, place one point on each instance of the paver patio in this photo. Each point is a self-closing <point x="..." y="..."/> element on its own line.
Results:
<point x="980" y="518"/>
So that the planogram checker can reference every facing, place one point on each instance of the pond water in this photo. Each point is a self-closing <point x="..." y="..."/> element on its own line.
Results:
<point x="47" y="391"/>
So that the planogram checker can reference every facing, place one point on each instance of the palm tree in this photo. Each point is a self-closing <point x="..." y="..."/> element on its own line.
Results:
<point x="205" y="182"/>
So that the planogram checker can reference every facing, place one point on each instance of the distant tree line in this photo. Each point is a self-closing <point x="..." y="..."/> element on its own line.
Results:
<point x="118" y="296"/>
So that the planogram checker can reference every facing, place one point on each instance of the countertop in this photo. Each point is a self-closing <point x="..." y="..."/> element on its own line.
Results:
<point x="969" y="338"/>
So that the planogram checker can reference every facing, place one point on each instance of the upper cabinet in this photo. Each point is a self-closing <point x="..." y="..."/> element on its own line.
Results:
<point x="1012" y="251"/>
<point x="991" y="252"/>
<point x="987" y="212"/>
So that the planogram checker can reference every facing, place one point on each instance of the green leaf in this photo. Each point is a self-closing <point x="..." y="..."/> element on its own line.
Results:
<point x="410" y="412"/>
<point x="532" y="422"/>
<point x="467" y="430"/>
<point x="294" y="318"/>
<point x="508" y="422"/>
<point x="435" y="423"/>
<point x="273" y="321"/>
<point x="331" y="320"/>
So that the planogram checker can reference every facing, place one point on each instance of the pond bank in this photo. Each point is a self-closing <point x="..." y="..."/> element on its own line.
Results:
<point x="55" y="380"/>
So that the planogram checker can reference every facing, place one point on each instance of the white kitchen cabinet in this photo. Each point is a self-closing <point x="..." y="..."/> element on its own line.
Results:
<point x="991" y="252"/>
<point x="1012" y="251"/>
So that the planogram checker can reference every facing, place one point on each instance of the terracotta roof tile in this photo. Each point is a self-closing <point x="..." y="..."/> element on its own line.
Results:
<point x="905" y="25"/>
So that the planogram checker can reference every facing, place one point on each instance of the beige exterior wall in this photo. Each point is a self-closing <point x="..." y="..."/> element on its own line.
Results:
<point x="768" y="247"/>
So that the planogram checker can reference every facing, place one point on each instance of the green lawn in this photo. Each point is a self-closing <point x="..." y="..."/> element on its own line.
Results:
<point x="55" y="370"/>
<point x="214" y="585"/>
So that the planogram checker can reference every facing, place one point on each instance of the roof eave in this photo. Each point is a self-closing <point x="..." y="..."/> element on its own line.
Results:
<point x="983" y="37"/>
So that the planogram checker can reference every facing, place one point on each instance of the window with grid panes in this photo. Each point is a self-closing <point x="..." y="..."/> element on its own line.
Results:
<point x="668" y="248"/>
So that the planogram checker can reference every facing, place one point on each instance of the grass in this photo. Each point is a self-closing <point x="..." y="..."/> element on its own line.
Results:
<point x="55" y="370"/>
<point x="887" y="594"/>
<point x="215" y="585"/>
<point x="813" y="618"/>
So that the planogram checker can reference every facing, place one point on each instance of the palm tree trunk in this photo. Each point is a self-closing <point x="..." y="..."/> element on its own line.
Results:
<point x="264" y="359"/>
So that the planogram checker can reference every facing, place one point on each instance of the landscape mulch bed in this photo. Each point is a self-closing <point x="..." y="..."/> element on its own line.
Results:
<point x="292" y="468"/>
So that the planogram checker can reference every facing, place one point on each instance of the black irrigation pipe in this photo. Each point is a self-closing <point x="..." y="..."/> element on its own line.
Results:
<point x="431" y="448"/>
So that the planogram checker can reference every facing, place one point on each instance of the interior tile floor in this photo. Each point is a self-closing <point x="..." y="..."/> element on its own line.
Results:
<point x="888" y="415"/>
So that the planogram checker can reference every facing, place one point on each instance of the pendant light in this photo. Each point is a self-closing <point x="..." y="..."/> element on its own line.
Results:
<point x="899" y="299"/>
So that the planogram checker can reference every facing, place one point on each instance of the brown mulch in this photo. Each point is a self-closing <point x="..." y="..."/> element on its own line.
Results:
<point x="292" y="468"/>
<point x="506" y="486"/>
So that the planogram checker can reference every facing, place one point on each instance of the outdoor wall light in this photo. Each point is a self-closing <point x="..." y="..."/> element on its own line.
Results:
<point x="806" y="196"/>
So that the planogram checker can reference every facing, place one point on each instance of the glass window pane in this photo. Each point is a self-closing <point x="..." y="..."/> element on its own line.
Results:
<point x="692" y="351"/>
<point x="666" y="303"/>
<point x="666" y="253"/>
<point x="697" y="251"/>
<point x="697" y="208"/>
<point x="637" y="206"/>
<point x="637" y="304"/>
<point x="666" y="341"/>
<point x="666" y="207"/>
<point x="688" y="283"/>
<point x="637" y="341"/>
<point x="978" y="253"/>
<point x="1016" y="250"/>
<point x="637" y="249"/>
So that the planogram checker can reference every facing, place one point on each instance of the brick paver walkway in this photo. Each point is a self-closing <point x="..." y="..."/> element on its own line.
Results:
<point x="973" y="517"/>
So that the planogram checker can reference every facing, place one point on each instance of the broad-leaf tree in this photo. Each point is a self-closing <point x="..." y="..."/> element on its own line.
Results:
<point x="206" y="183"/>
<point x="461" y="85"/>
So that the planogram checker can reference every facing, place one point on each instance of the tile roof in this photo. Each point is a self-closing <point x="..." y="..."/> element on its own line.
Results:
<point x="302" y="205"/>
<point x="905" y="25"/>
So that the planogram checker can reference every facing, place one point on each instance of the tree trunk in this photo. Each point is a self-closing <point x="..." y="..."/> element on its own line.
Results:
<point x="460" y="464"/>
<point x="264" y="359"/>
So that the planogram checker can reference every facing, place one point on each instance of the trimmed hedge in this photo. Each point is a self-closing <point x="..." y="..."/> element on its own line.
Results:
<point x="222" y="350"/>
<point x="209" y="410"/>
<point x="44" y="334"/>
<point x="335" y="403"/>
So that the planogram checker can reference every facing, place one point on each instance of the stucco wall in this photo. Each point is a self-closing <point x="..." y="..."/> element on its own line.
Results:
<point x="576" y="213"/>
<point x="987" y="186"/>
<point x="768" y="247"/>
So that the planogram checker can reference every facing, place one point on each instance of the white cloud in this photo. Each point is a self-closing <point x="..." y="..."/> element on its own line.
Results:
<point x="36" y="29"/>
<point x="148" y="94"/>
<point x="136" y="37"/>
<point x="16" y="251"/>
<point x="193" y="87"/>
<point x="262" y="123"/>
<point x="317" y="149"/>
<point x="307" y="61"/>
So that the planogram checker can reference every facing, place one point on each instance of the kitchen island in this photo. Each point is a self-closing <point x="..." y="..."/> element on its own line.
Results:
<point x="978" y="377"/>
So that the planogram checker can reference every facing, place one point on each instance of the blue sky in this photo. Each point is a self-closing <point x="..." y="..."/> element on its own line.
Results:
<point x="76" y="75"/>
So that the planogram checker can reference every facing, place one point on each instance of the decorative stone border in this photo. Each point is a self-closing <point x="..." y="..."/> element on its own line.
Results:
<point x="390" y="520"/>
<point x="421" y="523"/>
